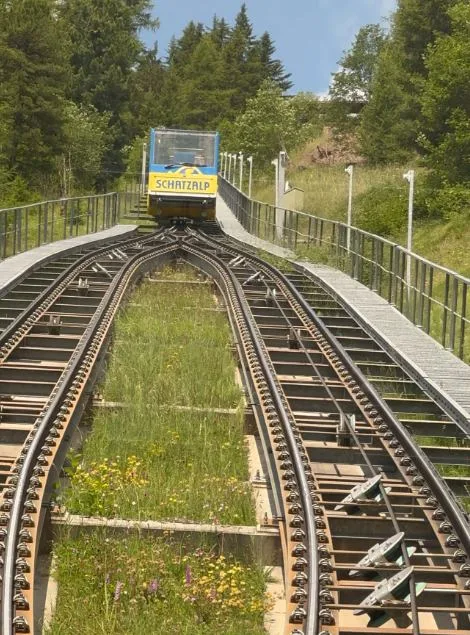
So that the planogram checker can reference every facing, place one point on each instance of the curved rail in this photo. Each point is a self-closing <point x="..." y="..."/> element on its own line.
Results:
<point x="231" y="288"/>
<point x="374" y="408"/>
<point x="314" y="601"/>
<point x="57" y="410"/>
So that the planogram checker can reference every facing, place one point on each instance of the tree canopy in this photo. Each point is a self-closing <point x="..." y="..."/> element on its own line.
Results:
<point x="77" y="86"/>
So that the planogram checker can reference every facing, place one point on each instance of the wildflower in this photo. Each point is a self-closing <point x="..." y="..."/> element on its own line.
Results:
<point x="107" y="579"/>
<point x="117" y="591"/>
<point x="188" y="574"/>
<point x="153" y="586"/>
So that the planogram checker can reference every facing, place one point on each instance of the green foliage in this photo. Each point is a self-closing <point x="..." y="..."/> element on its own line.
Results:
<point x="351" y="86"/>
<point x="449" y="202"/>
<point x="147" y="83"/>
<point x="15" y="192"/>
<point x="416" y="24"/>
<point x="104" y="47"/>
<point x="85" y="144"/>
<point x="77" y="86"/>
<point x="272" y="123"/>
<point x="383" y="210"/>
<point x="393" y="117"/>
<point x="446" y="103"/>
<point x="385" y="127"/>
<point x="31" y="89"/>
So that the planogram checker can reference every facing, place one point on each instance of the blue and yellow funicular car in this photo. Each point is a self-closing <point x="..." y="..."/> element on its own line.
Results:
<point x="182" y="182"/>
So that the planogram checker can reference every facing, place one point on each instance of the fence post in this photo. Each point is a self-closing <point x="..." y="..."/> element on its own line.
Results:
<point x="463" y="320"/>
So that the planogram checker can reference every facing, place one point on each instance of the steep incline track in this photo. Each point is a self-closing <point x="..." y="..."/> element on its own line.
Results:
<point x="49" y="358"/>
<point x="368" y="483"/>
<point x="374" y="540"/>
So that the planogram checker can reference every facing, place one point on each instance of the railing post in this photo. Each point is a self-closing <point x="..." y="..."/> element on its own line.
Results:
<point x="463" y="320"/>
<point x="46" y="221"/>
<point x="3" y="224"/>
<point x="453" y="312"/>
<point x="444" y="317"/>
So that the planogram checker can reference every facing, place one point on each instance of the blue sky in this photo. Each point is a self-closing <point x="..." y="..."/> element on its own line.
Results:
<point x="310" y="35"/>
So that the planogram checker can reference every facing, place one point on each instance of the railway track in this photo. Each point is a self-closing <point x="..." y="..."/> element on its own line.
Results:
<point x="374" y="539"/>
<point x="339" y="421"/>
<point x="49" y="357"/>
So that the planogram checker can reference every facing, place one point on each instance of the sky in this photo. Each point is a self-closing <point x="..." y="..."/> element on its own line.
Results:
<point x="310" y="35"/>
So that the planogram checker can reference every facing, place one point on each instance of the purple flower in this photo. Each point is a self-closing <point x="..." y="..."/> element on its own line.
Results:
<point x="188" y="574"/>
<point x="117" y="591"/>
<point x="153" y="586"/>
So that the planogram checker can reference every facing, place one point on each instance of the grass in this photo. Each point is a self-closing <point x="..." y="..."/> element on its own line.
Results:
<point x="150" y="458"/>
<point x="141" y="585"/>
<point x="326" y="187"/>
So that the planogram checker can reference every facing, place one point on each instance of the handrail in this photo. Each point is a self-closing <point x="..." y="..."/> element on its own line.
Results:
<point x="24" y="227"/>
<point x="432" y="296"/>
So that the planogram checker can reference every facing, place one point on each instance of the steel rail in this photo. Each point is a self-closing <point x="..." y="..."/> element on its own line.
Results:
<point x="312" y="611"/>
<point x="46" y="419"/>
<point x="452" y="509"/>
<point x="372" y="470"/>
<point x="63" y="279"/>
<point x="448" y="505"/>
<point x="427" y="385"/>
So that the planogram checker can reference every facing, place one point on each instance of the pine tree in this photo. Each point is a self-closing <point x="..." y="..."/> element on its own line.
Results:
<point x="181" y="49"/>
<point x="272" y="68"/>
<point x="32" y="71"/>
<point x="415" y="26"/>
<point x="147" y="84"/>
<point x="220" y="32"/>
<point x="104" y="48"/>
<point x="385" y="123"/>
<point x="242" y="64"/>
<point x="203" y="102"/>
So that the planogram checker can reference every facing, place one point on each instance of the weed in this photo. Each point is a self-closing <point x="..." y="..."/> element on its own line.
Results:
<point x="151" y="458"/>
<point x="143" y="585"/>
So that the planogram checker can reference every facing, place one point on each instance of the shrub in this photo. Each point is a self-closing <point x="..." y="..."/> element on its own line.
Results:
<point x="384" y="210"/>
<point x="450" y="201"/>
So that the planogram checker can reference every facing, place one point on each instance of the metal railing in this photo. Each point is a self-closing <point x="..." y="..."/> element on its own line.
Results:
<point x="28" y="226"/>
<point x="433" y="297"/>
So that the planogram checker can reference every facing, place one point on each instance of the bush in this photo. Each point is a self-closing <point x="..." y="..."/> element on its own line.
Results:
<point x="16" y="192"/>
<point x="384" y="210"/>
<point x="450" y="201"/>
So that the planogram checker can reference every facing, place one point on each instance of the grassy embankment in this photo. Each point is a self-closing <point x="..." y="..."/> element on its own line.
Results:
<point x="153" y="460"/>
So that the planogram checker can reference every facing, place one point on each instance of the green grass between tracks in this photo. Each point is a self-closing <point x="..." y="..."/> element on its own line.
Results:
<point x="150" y="459"/>
<point x="142" y="585"/>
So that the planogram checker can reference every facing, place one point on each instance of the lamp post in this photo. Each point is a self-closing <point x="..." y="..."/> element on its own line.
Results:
<point x="250" y="161"/>
<point x="229" y="157"/>
<point x="240" y="154"/>
<point x="349" y="170"/>
<point x="279" y="227"/>
<point x="410" y="177"/>
<point x="234" y="173"/>
<point x="144" y="166"/>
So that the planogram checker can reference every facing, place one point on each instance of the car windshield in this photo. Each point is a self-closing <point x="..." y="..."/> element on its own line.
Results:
<point x="174" y="148"/>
